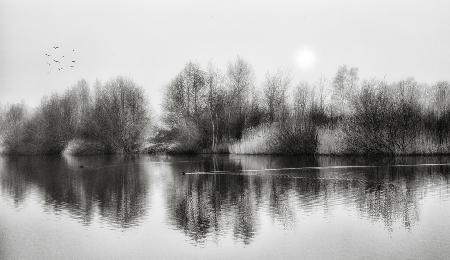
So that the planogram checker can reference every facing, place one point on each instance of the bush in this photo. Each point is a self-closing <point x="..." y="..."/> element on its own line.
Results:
<point x="187" y="138"/>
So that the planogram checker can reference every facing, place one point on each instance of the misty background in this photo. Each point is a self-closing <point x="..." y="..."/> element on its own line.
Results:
<point x="150" y="41"/>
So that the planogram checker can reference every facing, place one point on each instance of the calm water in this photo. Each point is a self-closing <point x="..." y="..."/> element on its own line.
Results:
<point x="224" y="207"/>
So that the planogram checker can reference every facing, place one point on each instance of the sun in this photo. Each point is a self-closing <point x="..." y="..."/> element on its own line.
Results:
<point x="306" y="58"/>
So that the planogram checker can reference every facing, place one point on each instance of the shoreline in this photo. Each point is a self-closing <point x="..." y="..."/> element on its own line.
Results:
<point x="238" y="154"/>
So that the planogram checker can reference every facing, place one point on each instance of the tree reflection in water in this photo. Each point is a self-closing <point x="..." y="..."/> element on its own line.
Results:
<point x="214" y="204"/>
<point x="209" y="206"/>
<point x="117" y="193"/>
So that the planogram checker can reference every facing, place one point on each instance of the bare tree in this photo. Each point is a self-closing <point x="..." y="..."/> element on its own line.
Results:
<point x="275" y="90"/>
<point x="344" y="86"/>
<point x="216" y="95"/>
<point x="239" y="82"/>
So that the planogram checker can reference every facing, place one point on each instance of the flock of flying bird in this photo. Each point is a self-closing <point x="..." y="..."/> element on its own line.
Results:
<point x="59" y="62"/>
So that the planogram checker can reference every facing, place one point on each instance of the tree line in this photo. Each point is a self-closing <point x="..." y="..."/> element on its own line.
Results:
<point x="207" y="110"/>
<point x="111" y="118"/>
<point x="213" y="111"/>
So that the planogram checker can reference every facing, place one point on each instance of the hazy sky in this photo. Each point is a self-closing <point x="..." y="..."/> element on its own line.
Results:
<point x="150" y="41"/>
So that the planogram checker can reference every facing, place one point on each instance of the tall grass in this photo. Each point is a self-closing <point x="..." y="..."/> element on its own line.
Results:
<point x="276" y="138"/>
<point x="335" y="141"/>
<point x="426" y="143"/>
<point x="84" y="147"/>
<point x="256" y="140"/>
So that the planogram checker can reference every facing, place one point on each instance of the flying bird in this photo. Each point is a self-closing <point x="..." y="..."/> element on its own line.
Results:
<point x="55" y="47"/>
<point x="72" y="66"/>
<point x="74" y="61"/>
<point x="57" y="61"/>
<point x="59" y="69"/>
<point x="48" y="55"/>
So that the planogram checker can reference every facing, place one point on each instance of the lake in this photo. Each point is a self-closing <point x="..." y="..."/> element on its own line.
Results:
<point x="224" y="207"/>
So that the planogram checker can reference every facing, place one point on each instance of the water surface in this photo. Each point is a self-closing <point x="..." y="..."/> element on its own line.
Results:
<point x="141" y="207"/>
